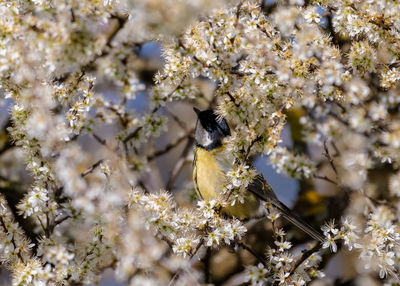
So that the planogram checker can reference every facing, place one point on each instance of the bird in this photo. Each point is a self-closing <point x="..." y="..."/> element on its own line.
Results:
<point x="211" y="164"/>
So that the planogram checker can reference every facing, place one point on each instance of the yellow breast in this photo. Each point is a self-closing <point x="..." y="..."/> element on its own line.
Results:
<point x="208" y="178"/>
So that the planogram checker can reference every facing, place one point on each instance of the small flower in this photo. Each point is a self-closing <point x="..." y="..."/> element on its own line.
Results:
<point x="311" y="15"/>
<point x="330" y="242"/>
<point x="105" y="168"/>
<point x="185" y="246"/>
<point x="232" y="230"/>
<point x="283" y="245"/>
<point x="214" y="238"/>
<point x="273" y="214"/>
<point x="330" y="228"/>
<point x="284" y="259"/>
<point x="207" y="208"/>
<point x="257" y="275"/>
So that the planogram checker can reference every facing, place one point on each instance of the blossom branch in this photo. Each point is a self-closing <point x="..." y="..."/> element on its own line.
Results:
<point x="178" y="273"/>
<point x="16" y="249"/>
<point x="305" y="254"/>
<point x="92" y="168"/>
<point x="259" y="258"/>
<point x="8" y="144"/>
<point x="121" y="20"/>
<point x="171" y="146"/>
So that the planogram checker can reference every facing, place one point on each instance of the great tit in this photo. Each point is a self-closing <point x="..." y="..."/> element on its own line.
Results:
<point x="211" y="164"/>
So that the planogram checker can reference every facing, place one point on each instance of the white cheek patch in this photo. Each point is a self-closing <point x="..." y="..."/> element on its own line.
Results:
<point x="207" y="139"/>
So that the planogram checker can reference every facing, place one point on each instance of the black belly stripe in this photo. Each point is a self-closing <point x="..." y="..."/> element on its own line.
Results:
<point x="196" y="186"/>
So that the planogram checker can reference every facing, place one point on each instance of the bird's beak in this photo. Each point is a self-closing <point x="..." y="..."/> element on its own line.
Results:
<point x="196" y="110"/>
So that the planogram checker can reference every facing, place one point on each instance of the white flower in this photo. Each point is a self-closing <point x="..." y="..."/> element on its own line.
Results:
<point x="207" y="208"/>
<point x="185" y="246"/>
<point x="273" y="214"/>
<point x="58" y="254"/>
<point x="330" y="228"/>
<point x="330" y="242"/>
<point x="257" y="275"/>
<point x="283" y="245"/>
<point x="284" y="259"/>
<point x="386" y="262"/>
<point x="232" y="230"/>
<point x="37" y="198"/>
<point x="311" y="15"/>
<point x="214" y="238"/>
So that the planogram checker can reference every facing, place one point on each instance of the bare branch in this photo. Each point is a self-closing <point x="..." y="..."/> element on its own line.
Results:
<point x="180" y="270"/>
<point x="91" y="169"/>
<point x="330" y="160"/>
<point x="252" y="252"/>
<point x="184" y="158"/>
<point x="177" y="119"/>
<point x="98" y="139"/>
<point x="121" y="20"/>
<point x="305" y="254"/>
<point x="171" y="146"/>
<point x="8" y="144"/>
<point x="137" y="130"/>
<point x="325" y="178"/>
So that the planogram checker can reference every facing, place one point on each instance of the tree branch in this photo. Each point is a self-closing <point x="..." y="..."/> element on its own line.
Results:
<point x="252" y="252"/>
<point x="121" y="20"/>
<point x="8" y="143"/>
<point x="305" y="254"/>
<point x="91" y="169"/>
<point x="171" y="146"/>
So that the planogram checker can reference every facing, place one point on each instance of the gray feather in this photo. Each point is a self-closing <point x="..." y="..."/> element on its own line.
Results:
<point x="261" y="189"/>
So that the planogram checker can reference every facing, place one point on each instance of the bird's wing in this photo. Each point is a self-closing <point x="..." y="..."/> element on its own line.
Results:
<point x="261" y="189"/>
<point x="224" y="160"/>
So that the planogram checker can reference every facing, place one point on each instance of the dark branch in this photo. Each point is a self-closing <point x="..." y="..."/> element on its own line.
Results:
<point x="120" y="25"/>
<point x="171" y="146"/>
<point x="91" y="169"/>
<point x="8" y="144"/>
<point x="305" y="254"/>
<point x="252" y="252"/>
<point x="137" y="130"/>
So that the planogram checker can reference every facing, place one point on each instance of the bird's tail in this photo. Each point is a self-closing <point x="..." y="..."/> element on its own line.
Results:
<point x="268" y="195"/>
<point x="297" y="221"/>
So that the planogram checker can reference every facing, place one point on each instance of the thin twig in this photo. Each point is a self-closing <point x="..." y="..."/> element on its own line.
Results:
<point x="49" y="230"/>
<point x="12" y="239"/>
<point x="184" y="158"/>
<point x="170" y="146"/>
<point x="177" y="119"/>
<point x="61" y="219"/>
<point x="137" y="130"/>
<point x="179" y="271"/>
<point x="344" y="188"/>
<point x="252" y="252"/>
<point x="98" y="139"/>
<point x="395" y="275"/>
<point x="328" y="156"/>
<point x="305" y="254"/>
<point x="121" y="23"/>
<point x="91" y="169"/>
<point x="246" y="155"/>
<point x="325" y="178"/>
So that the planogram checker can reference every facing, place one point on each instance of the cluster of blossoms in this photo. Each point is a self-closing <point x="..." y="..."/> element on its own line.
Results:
<point x="239" y="179"/>
<point x="187" y="229"/>
<point x="14" y="245"/>
<point x="73" y="76"/>
<point x="283" y="267"/>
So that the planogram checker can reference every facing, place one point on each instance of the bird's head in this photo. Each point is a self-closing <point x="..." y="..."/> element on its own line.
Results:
<point x="211" y="129"/>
